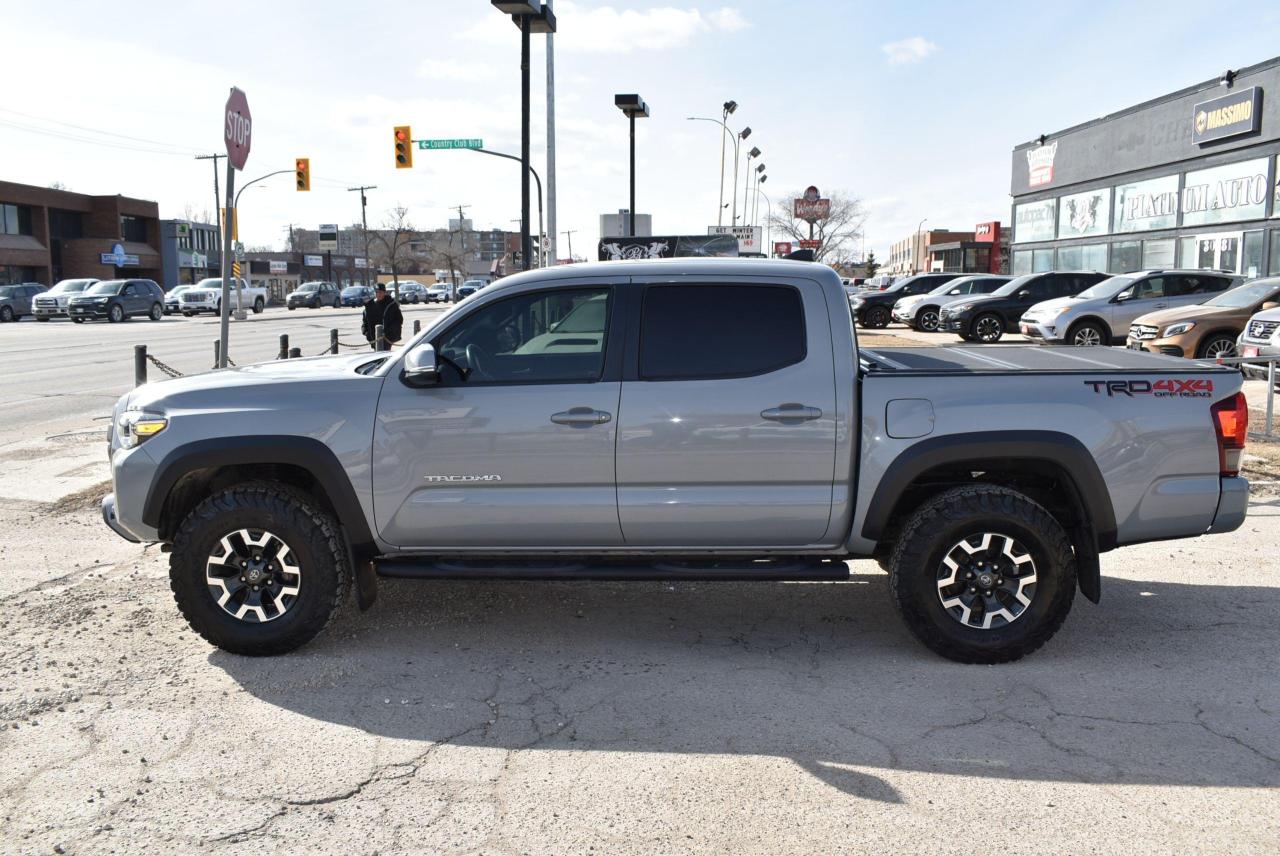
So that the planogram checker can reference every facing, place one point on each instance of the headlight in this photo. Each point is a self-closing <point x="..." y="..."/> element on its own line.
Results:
<point x="136" y="426"/>
<point x="855" y="302"/>
<point x="1179" y="328"/>
<point x="101" y="299"/>
<point x="963" y="307"/>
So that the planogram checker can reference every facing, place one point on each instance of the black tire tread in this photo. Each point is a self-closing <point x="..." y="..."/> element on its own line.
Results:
<point x="279" y="499"/>
<point x="915" y="542"/>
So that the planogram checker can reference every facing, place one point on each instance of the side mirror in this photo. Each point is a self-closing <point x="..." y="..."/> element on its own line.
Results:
<point x="1024" y="294"/>
<point x="954" y="291"/>
<point x="1270" y="304"/>
<point x="1127" y="294"/>
<point x="420" y="363"/>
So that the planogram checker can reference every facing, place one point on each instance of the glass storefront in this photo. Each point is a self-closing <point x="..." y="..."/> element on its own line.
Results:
<point x="1158" y="253"/>
<point x="1022" y="262"/>
<point x="1222" y="194"/>
<point x="1146" y="205"/>
<point x="1084" y="214"/>
<point x="1126" y="256"/>
<point x="1041" y="260"/>
<point x="1253" y="250"/>
<point x="1034" y="221"/>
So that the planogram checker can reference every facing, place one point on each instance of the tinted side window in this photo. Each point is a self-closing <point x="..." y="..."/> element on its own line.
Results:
<point x="1150" y="288"/>
<point x="716" y="331"/>
<point x="1184" y="285"/>
<point x="540" y="337"/>
<point x="1041" y="289"/>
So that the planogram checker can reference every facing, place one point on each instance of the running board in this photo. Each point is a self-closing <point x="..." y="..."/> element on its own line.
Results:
<point x="810" y="570"/>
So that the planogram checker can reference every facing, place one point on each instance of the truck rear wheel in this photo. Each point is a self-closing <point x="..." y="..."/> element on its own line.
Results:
<point x="258" y="569"/>
<point x="982" y="574"/>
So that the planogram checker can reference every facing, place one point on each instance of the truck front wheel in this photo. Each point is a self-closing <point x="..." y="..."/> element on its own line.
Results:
<point x="982" y="574"/>
<point x="258" y="569"/>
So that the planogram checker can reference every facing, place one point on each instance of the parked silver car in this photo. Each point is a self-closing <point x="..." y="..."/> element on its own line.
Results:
<point x="920" y="311"/>
<point x="1101" y="314"/>
<point x="15" y="300"/>
<point x="53" y="303"/>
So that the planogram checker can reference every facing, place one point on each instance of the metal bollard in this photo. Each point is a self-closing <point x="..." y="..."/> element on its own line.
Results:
<point x="217" y="353"/>
<point x="333" y="341"/>
<point x="417" y="326"/>
<point x="139" y="365"/>
<point x="284" y="347"/>
<point x="379" y="340"/>
<point x="295" y="353"/>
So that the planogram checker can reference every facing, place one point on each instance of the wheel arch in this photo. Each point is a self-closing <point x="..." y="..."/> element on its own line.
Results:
<point x="1090" y="319"/>
<point x="1229" y="332"/>
<point x="192" y="471"/>
<point x="1054" y="469"/>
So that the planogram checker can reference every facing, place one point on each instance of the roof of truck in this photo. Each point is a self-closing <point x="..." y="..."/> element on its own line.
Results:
<point x="713" y="266"/>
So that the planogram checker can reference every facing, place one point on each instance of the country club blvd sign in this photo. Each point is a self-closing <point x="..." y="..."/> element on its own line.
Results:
<point x="1227" y="115"/>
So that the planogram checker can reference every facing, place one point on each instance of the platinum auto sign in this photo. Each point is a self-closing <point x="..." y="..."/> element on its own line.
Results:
<point x="1227" y="115"/>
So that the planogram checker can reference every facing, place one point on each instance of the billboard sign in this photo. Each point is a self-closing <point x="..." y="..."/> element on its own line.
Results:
<point x="748" y="237"/>
<point x="666" y="247"/>
<point x="811" y="206"/>
<point x="782" y="248"/>
<point x="274" y="266"/>
<point x="1227" y="116"/>
<point x="328" y="236"/>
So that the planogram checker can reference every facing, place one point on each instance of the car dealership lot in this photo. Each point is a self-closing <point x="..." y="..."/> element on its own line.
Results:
<point x="624" y="717"/>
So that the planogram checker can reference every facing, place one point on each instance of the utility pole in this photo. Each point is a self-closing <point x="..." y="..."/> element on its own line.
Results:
<point x="568" y="233"/>
<point x="462" y="242"/>
<point x="526" y="246"/>
<point x="552" y="252"/>
<point x="364" y="224"/>
<point x="217" y="200"/>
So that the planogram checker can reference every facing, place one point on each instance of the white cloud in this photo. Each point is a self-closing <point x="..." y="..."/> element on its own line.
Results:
<point x="909" y="50"/>
<point x="434" y="68"/>
<point x="605" y="29"/>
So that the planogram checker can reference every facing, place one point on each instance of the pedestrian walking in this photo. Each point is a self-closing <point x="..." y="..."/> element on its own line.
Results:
<point x="385" y="311"/>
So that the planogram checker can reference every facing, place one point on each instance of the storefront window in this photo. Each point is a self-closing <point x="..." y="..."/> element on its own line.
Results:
<point x="1022" y="261"/>
<point x="1126" y="256"/>
<point x="1041" y="260"/>
<point x="1187" y="252"/>
<point x="15" y="220"/>
<point x="1158" y="254"/>
<point x="1093" y="257"/>
<point x="1221" y="194"/>
<point x="1033" y="221"/>
<point x="1069" y="258"/>
<point x="1275" y="254"/>
<point x="1251" y="263"/>
<point x="1144" y="205"/>
<point x="1275" y="205"/>
<point x="1082" y="214"/>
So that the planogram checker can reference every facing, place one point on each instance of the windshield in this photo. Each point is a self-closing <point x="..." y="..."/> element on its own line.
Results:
<point x="309" y="286"/>
<point x="7" y="290"/>
<point x="1106" y="288"/>
<point x="71" y="286"/>
<point x="353" y="289"/>
<point x="180" y="288"/>
<point x="1247" y="295"/>
<point x="111" y="286"/>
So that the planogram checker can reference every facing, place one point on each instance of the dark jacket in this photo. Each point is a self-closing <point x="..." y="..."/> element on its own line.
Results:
<point x="384" y="312"/>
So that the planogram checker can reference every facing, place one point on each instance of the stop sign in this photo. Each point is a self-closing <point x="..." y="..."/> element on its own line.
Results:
<point x="238" y="129"/>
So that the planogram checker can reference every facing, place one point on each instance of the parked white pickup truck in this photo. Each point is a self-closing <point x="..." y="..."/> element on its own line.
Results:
<point x="206" y="296"/>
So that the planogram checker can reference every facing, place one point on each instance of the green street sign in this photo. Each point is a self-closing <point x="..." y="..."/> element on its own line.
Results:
<point x="451" y="144"/>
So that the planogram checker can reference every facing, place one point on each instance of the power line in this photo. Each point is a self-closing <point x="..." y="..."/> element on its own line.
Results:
<point x="95" y="130"/>
<point x="97" y="142"/>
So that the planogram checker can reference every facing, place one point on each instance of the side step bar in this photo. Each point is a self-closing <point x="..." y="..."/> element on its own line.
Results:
<point x="804" y="569"/>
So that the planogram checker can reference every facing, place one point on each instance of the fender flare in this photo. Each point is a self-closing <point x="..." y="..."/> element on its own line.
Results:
<point x="306" y="453"/>
<point x="1062" y="450"/>
<point x="1090" y="319"/>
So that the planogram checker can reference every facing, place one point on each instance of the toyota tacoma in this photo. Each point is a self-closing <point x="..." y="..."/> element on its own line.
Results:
<point x="695" y="419"/>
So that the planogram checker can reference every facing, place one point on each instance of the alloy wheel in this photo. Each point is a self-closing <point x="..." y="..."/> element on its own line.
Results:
<point x="1222" y="347"/>
<point x="928" y="320"/>
<point x="986" y="581"/>
<point x="988" y="328"/>
<point x="253" y="575"/>
<point x="1086" y="337"/>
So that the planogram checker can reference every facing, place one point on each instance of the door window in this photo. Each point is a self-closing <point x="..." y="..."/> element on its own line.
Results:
<point x="1179" y="286"/>
<point x="719" y="331"/>
<point x="1146" y="289"/>
<point x="539" y="337"/>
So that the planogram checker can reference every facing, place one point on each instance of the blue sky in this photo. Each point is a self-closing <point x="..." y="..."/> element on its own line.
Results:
<point x="913" y="107"/>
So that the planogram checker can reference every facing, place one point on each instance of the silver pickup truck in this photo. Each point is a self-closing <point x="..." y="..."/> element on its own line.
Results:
<point x="703" y="419"/>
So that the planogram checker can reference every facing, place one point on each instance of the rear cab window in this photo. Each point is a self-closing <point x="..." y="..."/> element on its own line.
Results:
<point x="690" y="332"/>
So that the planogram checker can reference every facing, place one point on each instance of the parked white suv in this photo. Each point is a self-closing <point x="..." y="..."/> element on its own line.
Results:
<point x="1102" y="313"/>
<point x="53" y="303"/>
<point x="1261" y="338"/>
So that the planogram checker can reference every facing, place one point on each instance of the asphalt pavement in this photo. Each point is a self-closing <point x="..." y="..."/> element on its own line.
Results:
<point x="56" y="369"/>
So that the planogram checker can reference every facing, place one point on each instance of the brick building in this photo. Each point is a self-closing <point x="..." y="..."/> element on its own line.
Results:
<point x="911" y="254"/>
<point x="47" y="235"/>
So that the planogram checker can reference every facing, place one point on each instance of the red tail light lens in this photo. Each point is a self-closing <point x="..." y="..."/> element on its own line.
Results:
<point x="1231" y="424"/>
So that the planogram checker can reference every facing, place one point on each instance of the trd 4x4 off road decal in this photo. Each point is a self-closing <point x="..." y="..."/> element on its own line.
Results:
<point x="1164" y="388"/>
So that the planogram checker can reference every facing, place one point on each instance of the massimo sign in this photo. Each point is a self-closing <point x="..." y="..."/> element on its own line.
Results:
<point x="1227" y="115"/>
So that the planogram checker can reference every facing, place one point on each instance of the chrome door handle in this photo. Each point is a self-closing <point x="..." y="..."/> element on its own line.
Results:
<point x="791" y="413"/>
<point x="581" y="417"/>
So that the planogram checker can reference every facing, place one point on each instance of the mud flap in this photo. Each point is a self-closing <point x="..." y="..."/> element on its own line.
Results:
<point x="366" y="584"/>
<point x="1088" y="568"/>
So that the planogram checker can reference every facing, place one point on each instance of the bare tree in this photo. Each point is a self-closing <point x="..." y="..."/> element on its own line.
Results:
<point x="835" y="234"/>
<point x="191" y="215"/>
<point x="57" y="185"/>
<point x="393" y="237"/>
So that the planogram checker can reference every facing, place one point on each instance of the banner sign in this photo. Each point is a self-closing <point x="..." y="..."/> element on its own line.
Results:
<point x="811" y="206"/>
<point x="313" y="261"/>
<point x="1150" y="204"/>
<point x="1227" y="116"/>
<point x="1034" y="221"/>
<point x="1221" y="194"/>
<point x="809" y="244"/>
<point x="666" y="247"/>
<point x="277" y="267"/>
<point x="748" y="237"/>
<point x="119" y="257"/>
<point x="1040" y="164"/>
<point x="782" y="248"/>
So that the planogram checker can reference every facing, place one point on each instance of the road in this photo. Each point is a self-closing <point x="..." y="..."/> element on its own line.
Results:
<point x="56" y="370"/>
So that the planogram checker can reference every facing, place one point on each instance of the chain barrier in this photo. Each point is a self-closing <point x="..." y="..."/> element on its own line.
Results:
<point x="167" y="369"/>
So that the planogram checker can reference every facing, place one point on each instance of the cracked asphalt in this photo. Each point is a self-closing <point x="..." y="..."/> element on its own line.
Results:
<point x="540" y="718"/>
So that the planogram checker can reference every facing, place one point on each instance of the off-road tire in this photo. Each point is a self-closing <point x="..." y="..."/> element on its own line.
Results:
<point x="312" y="534"/>
<point x="932" y="530"/>
<point x="876" y="318"/>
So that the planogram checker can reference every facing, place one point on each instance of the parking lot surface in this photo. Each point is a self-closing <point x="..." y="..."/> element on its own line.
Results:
<point x="504" y="717"/>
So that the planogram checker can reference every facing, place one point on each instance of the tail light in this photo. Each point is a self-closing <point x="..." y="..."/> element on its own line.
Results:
<point x="1231" y="424"/>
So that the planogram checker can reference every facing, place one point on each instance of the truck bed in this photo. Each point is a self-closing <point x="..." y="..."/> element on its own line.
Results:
<point x="1023" y="359"/>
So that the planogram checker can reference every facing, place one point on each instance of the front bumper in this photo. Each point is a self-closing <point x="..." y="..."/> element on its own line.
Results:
<point x="49" y="311"/>
<point x="1155" y="346"/>
<point x="1040" y="331"/>
<point x="132" y="474"/>
<point x="1254" y="348"/>
<point x="109" y="518"/>
<point x="87" y="311"/>
<point x="954" y="324"/>
<point x="903" y="317"/>
<point x="1233" y="505"/>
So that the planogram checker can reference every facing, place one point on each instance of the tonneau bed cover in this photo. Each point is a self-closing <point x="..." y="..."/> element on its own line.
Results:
<point x="968" y="359"/>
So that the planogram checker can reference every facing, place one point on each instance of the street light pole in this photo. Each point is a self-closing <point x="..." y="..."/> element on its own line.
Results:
<point x="729" y="107"/>
<point x="915" y="251"/>
<point x="364" y="224"/>
<point x="735" y="138"/>
<point x="634" y="107"/>
<point x="768" y="218"/>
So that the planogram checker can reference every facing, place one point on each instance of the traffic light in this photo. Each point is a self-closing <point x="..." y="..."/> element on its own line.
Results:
<point x="303" y="172"/>
<point x="404" y="147"/>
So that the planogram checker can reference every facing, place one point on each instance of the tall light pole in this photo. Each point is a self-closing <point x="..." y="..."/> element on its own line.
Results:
<point x="531" y="16"/>
<point x="633" y="107"/>
<point x="754" y="201"/>
<point x="729" y="107"/>
<point x="915" y="251"/>
<point x="734" y="137"/>
<point x="552" y="251"/>
<point x="364" y="224"/>
<point x="746" y="176"/>
<point x="768" y="217"/>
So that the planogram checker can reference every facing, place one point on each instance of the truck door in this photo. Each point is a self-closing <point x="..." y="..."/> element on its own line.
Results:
<point x="514" y="446"/>
<point x="726" y="430"/>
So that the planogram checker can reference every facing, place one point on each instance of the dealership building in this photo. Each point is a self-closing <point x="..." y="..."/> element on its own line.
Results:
<point x="1187" y="180"/>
